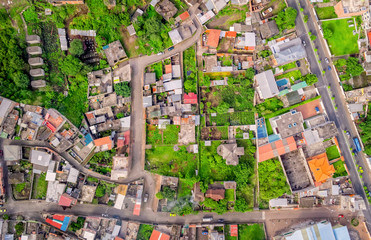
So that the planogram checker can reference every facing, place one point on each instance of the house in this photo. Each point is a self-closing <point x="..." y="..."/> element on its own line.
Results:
<point x="5" y="107"/>
<point x="122" y="73"/>
<point x="266" y="85"/>
<point x="269" y="29"/>
<point x="53" y="120"/>
<point x="149" y="78"/>
<point x="203" y="18"/>
<point x="147" y="101"/>
<point x="38" y="83"/>
<point x="215" y="194"/>
<point x="103" y="144"/>
<point x="12" y="153"/>
<point x="34" y="50"/>
<point x="172" y="85"/>
<point x="38" y="72"/>
<point x="211" y="62"/>
<point x="114" y="53"/>
<point x="63" y="2"/>
<point x="40" y="160"/>
<point x="213" y="36"/>
<point x="175" y="71"/>
<point x="190" y="98"/>
<point x="131" y="30"/>
<point x="216" y="5"/>
<point x="230" y="152"/>
<point x="288" y="124"/>
<point x="276" y="148"/>
<point x="63" y="38"/>
<point x="288" y="51"/>
<point x="351" y="8"/>
<point x="321" y="230"/>
<point x="83" y="33"/>
<point x="138" y="12"/>
<point x="36" y="61"/>
<point x="156" y="235"/>
<point x="166" y="9"/>
<point x="33" y="39"/>
<point x="246" y="42"/>
<point x="182" y="17"/>
<point x="239" y="2"/>
<point x="321" y="168"/>
<point x="120" y="167"/>
<point x="59" y="221"/>
<point x="175" y="36"/>
<point x="66" y="200"/>
<point x="100" y="82"/>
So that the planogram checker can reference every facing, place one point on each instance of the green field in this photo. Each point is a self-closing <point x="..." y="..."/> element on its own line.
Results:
<point x="40" y="186"/>
<point x="339" y="169"/>
<point x="326" y="13"/>
<point x="165" y="161"/>
<point x="332" y="152"/>
<point x="251" y="232"/>
<point x="342" y="41"/>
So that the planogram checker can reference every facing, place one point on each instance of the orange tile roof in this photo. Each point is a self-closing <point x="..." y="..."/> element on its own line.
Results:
<point x="321" y="168"/>
<point x="184" y="16"/>
<point x="213" y="37"/>
<point x="156" y="235"/>
<point x="369" y="37"/>
<point x="89" y="115"/>
<point x="231" y="34"/>
<point x="276" y="148"/>
<point x="103" y="141"/>
<point x="168" y="69"/>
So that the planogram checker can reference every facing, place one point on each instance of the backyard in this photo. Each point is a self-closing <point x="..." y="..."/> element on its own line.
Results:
<point x="326" y="12"/>
<point x="40" y="186"/>
<point x="251" y="231"/>
<point x="190" y="70"/>
<point x="342" y="41"/>
<point x="340" y="170"/>
<point x="332" y="152"/>
<point x="292" y="76"/>
<point x="272" y="181"/>
<point x="162" y="136"/>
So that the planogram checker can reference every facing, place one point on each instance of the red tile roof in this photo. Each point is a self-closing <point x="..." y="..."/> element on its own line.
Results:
<point x="213" y="37"/>
<point x="66" y="200"/>
<point x="231" y="34"/>
<point x="215" y="194"/>
<point x="190" y="98"/>
<point x="184" y="16"/>
<point x="54" y="224"/>
<point x="276" y="148"/>
<point x="168" y="69"/>
<point x="89" y="115"/>
<point x="156" y="235"/>
<point x="234" y="230"/>
<point x="136" y="211"/>
<point x="103" y="141"/>
<point x="369" y="37"/>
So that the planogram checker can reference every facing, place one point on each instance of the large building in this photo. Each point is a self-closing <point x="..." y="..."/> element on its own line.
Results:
<point x="266" y="85"/>
<point x="114" y="52"/>
<point x="287" y="51"/>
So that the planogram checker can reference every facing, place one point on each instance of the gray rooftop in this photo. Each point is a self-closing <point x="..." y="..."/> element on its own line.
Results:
<point x="149" y="78"/>
<point x="269" y="29"/>
<point x="267" y="86"/>
<point x="288" y="124"/>
<point x="12" y="152"/>
<point x="172" y="85"/>
<point x="175" y="36"/>
<point x="288" y="51"/>
<point x="40" y="158"/>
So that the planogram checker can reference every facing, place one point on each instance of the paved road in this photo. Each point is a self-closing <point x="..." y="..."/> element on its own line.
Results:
<point x="341" y="117"/>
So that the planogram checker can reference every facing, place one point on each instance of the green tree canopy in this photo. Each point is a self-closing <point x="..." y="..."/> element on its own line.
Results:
<point x="353" y="67"/>
<point x="21" y="79"/>
<point x="76" y="47"/>
<point x="123" y="89"/>
<point x="286" y="18"/>
<point x="327" y="33"/>
<point x="310" y="79"/>
<point x="70" y="65"/>
<point x="19" y="228"/>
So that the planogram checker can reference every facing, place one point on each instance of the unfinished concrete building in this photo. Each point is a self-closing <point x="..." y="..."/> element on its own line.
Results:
<point x="38" y="83"/>
<point x="38" y="72"/>
<point x="34" y="50"/>
<point x="33" y="39"/>
<point x="166" y="9"/>
<point x="36" y="61"/>
<point x="114" y="53"/>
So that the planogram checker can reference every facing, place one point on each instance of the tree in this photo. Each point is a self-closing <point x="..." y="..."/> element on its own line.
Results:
<point x="70" y="65"/>
<point x="6" y="217"/>
<point x="353" y="67"/>
<point x="123" y="89"/>
<point x="19" y="228"/>
<point x="306" y="18"/>
<point x="101" y="191"/>
<point x="21" y="80"/>
<point x="168" y="193"/>
<point x="313" y="37"/>
<point x="310" y="79"/>
<point x="74" y="226"/>
<point x="286" y="18"/>
<point x="222" y="107"/>
<point x="241" y="205"/>
<point x="160" y="195"/>
<point x="327" y="33"/>
<point x="76" y="48"/>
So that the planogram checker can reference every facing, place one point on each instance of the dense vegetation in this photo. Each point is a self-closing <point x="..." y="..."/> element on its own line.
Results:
<point x="348" y="68"/>
<point x="190" y="70"/>
<point x="272" y="181"/>
<point x="366" y="134"/>
<point x="286" y="19"/>
<point x="144" y="232"/>
<point x="123" y="89"/>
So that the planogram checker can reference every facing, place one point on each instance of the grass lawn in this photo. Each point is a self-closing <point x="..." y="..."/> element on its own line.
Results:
<point x="185" y="187"/>
<point x="171" y="134"/>
<point x="292" y="76"/>
<point x="165" y="161"/>
<point x="332" y="152"/>
<point x="326" y="12"/>
<point x="342" y="41"/>
<point x="288" y="66"/>
<point x="251" y="232"/>
<point x="40" y="186"/>
<point x="229" y="195"/>
<point x="339" y="169"/>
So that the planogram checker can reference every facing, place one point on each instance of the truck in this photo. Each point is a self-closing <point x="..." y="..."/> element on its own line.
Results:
<point x="357" y="144"/>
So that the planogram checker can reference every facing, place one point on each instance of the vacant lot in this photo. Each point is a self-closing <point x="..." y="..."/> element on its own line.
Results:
<point x="40" y="186"/>
<point x="342" y="41"/>
<point x="251" y="232"/>
<point x="332" y="152"/>
<point x="339" y="169"/>
<point x="326" y="13"/>
<point x="165" y="161"/>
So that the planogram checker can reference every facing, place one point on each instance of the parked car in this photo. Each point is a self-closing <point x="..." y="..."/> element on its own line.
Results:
<point x="329" y="68"/>
<point x="298" y="63"/>
<point x="160" y="53"/>
<point x="171" y="48"/>
<point x="304" y="43"/>
<point x="145" y="197"/>
<point x="207" y="219"/>
<point x="221" y="220"/>
<point x="326" y="60"/>
<point x="348" y="134"/>
<point x="269" y="10"/>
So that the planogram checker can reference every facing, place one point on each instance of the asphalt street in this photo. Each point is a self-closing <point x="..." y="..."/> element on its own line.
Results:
<point x="341" y="116"/>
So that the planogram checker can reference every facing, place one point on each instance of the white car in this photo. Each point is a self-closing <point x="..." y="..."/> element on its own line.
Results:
<point x="326" y="60"/>
<point x="160" y="53"/>
<point x="304" y="43"/>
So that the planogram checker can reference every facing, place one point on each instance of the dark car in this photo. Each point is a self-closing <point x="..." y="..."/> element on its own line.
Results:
<point x="355" y="152"/>
<point x="221" y="220"/>
<point x="1" y="153"/>
<point x="298" y="63"/>
<point x="171" y="48"/>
